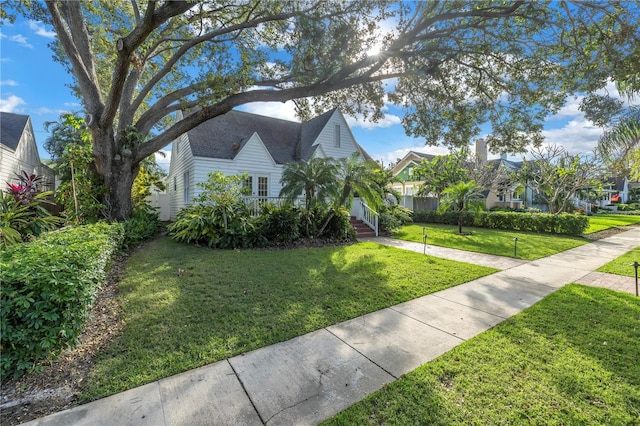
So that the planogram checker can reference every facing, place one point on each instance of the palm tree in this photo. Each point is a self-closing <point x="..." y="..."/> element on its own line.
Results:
<point x="462" y="197"/>
<point x="620" y="143"/>
<point x="315" y="179"/>
<point x="359" y="176"/>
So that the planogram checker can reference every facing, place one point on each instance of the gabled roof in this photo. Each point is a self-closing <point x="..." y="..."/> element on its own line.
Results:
<point x="11" y="128"/>
<point x="410" y="158"/>
<point x="511" y="165"/>
<point x="224" y="136"/>
<point x="422" y="155"/>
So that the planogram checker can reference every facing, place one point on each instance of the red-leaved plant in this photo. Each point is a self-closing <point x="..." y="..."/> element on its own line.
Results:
<point x="25" y="191"/>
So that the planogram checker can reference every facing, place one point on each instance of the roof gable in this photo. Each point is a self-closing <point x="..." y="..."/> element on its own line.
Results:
<point x="254" y="141"/>
<point x="224" y="136"/>
<point x="12" y="127"/>
<point x="286" y="141"/>
<point x="412" y="157"/>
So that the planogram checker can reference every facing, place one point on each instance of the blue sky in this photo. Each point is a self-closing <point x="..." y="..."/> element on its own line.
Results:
<point x="32" y="83"/>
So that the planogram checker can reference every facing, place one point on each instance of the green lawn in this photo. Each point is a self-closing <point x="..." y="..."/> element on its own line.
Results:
<point x="531" y="245"/>
<point x="600" y="222"/>
<point x="186" y="306"/>
<point x="571" y="359"/>
<point x="622" y="265"/>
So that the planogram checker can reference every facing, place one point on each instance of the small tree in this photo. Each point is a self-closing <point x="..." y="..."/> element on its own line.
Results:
<point x="355" y="175"/>
<point x="441" y="172"/>
<point x="315" y="179"/>
<point x="556" y="175"/>
<point x="223" y="192"/>
<point x="462" y="197"/>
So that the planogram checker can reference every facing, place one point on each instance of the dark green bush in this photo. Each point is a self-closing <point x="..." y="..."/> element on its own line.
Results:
<point x="393" y="217"/>
<point x="217" y="226"/>
<point x="339" y="226"/>
<point x="446" y="218"/>
<point x="563" y="223"/>
<point x="143" y="225"/>
<point x="47" y="287"/>
<point x="280" y="225"/>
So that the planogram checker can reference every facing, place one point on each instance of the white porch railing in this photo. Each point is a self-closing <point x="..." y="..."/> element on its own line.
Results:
<point x="255" y="204"/>
<point x="369" y="216"/>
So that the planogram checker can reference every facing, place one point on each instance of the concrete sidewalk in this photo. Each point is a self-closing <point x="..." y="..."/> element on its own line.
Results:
<point x="310" y="378"/>
<point x="498" y="262"/>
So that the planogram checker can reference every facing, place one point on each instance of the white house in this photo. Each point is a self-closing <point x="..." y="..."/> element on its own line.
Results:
<point x="19" y="152"/>
<point x="240" y="142"/>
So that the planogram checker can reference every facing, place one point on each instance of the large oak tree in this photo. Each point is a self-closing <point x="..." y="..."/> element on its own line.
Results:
<point x="451" y="64"/>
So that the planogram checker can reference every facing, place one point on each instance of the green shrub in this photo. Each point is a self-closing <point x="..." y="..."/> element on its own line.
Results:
<point x="564" y="223"/>
<point x="47" y="288"/>
<point x="629" y="207"/>
<point x="143" y="225"/>
<point x="392" y="217"/>
<point x="445" y="218"/>
<point x="339" y="226"/>
<point x="24" y="219"/>
<point x="227" y="226"/>
<point x="280" y="225"/>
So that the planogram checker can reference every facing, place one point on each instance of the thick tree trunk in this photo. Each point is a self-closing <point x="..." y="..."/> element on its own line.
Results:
<point x="118" y="171"/>
<point x="118" y="198"/>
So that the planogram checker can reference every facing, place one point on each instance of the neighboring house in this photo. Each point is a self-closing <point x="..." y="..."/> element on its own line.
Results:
<point x="403" y="179"/>
<point x="507" y="194"/>
<point x="240" y="142"/>
<point x="19" y="152"/>
<point x="613" y="191"/>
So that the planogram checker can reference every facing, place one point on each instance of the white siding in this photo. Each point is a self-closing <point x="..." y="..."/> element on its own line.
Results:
<point x="25" y="158"/>
<point x="253" y="159"/>
<point x="181" y="161"/>
<point x="326" y="138"/>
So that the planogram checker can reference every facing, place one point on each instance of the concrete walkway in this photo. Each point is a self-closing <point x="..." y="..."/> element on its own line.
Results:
<point x="498" y="262"/>
<point x="310" y="378"/>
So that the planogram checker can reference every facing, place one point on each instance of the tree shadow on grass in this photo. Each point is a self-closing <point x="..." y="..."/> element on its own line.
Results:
<point x="186" y="306"/>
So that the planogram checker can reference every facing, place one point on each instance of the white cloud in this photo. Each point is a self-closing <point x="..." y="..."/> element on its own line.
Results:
<point x="46" y="110"/>
<point x="570" y="109"/>
<point x="164" y="161"/>
<point x="72" y="104"/>
<point x="6" y="60"/>
<point x="38" y="28"/>
<point x="11" y="104"/>
<point x="576" y="136"/>
<point x="282" y="110"/>
<point x="8" y="83"/>
<point x="20" y="39"/>
<point x="388" y="121"/>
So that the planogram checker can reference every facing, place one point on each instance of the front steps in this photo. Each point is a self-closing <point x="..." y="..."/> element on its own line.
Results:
<point x="362" y="229"/>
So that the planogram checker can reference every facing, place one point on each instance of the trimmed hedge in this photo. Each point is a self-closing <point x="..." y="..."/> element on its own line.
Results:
<point x="563" y="223"/>
<point x="47" y="287"/>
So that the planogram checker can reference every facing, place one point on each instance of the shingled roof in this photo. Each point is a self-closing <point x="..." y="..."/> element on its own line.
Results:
<point x="11" y="129"/>
<point x="287" y="141"/>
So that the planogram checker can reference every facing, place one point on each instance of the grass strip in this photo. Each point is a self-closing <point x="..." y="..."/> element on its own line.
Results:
<point x="600" y="222"/>
<point x="570" y="359"/>
<point x="187" y="306"/>
<point x="622" y="265"/>
<point x="531" y="245"/>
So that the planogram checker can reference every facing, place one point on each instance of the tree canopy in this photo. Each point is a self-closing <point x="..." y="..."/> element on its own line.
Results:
<point x="452" y="65"/>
